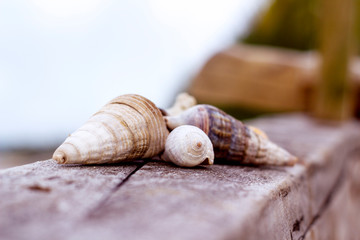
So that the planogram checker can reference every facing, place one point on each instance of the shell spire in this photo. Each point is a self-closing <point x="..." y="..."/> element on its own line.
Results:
<point x="128" y="127"/>
<point x="183" y="101"/>
<point x="232" y="140"/>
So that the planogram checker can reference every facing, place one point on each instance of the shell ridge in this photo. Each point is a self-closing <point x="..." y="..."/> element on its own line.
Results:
<point x="74" y="146"/>
<point x="155" y="112"/>
<point x="87" y="143"/>
<point x="139" y="142"/>
<point x="238" y="142"/>
<point x="204" y="110"/>
<point x="96" y="135"/>
<point x="113" y="135"/>
<point x="159" y="124"/>
<point x="219" y="132"/>
<point x="110" y="131"/>
<point x="258" y="152"/>
<point x="147" y="106"/>
<point x="141" y="104"/>
<point x="247" y="158"/>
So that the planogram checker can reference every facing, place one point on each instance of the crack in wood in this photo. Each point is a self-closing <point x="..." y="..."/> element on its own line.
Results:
<point x="106" y="197"/>
<point x="39" y="188"/>
<point x="296" y="225"/>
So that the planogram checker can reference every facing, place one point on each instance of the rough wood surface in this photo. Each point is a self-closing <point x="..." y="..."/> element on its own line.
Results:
<point x="45" y="200"/>
<point x="340" y="218"/>
<point x="156" y="200"/>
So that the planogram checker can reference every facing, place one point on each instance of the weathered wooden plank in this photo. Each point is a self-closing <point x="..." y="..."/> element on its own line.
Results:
<point x="341" y="215"/>
<point x="202" y="203"/>
<point x="264" y="78"/>
<point x="162" y="201"/>
<point x="260" y="77"/>
<point x="43" y="200"/>
<point x="337" y="39"/>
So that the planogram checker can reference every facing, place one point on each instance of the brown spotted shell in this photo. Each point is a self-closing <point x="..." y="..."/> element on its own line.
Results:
<point x="232" y="140"/>
<point x="128" y="127"/>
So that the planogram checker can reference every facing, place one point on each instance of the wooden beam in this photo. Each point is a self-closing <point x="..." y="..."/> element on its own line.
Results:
<point x="333" y="93"/>
<point x="267" y="79"/>
<point x="264" y="78"/>
<point x="157" y="200"/>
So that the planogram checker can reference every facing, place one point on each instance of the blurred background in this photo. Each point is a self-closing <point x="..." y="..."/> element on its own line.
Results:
<point x="61" y="60"/>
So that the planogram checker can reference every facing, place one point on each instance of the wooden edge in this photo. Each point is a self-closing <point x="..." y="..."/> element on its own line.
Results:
<point x="158" y="200"/>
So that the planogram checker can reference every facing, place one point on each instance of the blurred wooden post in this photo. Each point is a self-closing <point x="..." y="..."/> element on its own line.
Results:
<point x="333" y="99"/>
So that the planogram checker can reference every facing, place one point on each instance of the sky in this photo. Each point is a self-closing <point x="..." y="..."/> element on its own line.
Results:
<point x="61" y="60"/>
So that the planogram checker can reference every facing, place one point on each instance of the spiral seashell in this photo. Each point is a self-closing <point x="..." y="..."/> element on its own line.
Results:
<point x="188" y="146"/>
<point x="232" y="140"/>
<point x="128" y="127"/>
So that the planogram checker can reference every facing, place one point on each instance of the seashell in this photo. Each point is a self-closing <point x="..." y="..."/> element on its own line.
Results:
<point x="188" y="146"/>
<point x="232" y="140"/>
<point x="183" y="101"/>
<point x="259" y="132"/>
<point x="128" y="127"/>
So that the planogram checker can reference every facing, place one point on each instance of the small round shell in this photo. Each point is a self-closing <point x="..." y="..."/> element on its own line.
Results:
<point x="188" y="146"/>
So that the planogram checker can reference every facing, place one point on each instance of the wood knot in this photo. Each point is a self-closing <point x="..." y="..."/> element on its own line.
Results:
<point x="284" y="192"/>
<point x="39" y="188"/>
<point x="296" y="225"/>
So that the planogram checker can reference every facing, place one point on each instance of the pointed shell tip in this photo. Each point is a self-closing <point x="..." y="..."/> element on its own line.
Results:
<point x="59" y="157"/>
<point x="292" y="161"/>
<point x="208" y="161"/>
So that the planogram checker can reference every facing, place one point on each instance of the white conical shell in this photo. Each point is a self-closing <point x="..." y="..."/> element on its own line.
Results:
<point x="188" y="146"/>
<point x="128" y="127"/>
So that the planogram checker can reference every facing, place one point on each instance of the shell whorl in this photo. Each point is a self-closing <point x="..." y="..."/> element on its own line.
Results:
<point x="188" y="146"/>
<point x="232" y="140"/>
<point x="128" y="127"/>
